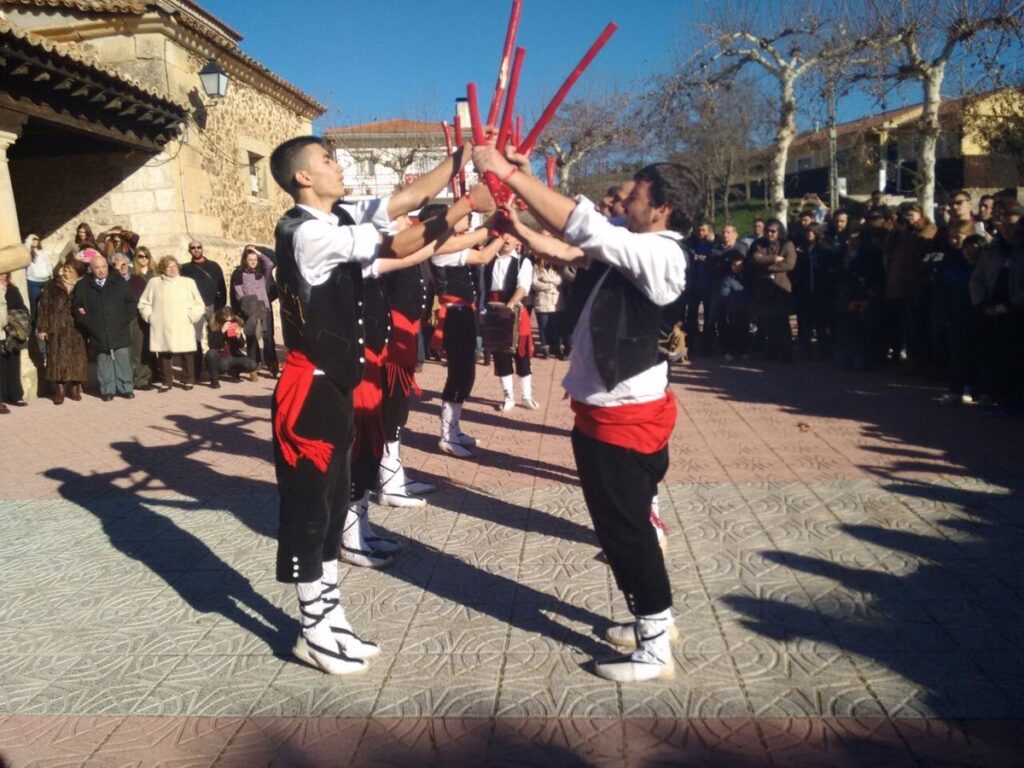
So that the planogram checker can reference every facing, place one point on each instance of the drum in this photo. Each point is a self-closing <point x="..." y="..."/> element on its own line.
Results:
<point x="499" y="328"/>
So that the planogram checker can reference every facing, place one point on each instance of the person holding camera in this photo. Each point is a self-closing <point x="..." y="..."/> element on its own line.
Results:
<point x="227" y="353"/>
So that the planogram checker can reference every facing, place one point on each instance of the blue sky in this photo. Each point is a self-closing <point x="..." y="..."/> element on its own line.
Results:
<point x="376" y="59"/>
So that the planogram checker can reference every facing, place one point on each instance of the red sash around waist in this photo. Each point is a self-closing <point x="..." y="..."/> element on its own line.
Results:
<point x="643" y="427"/>
<point x="289" y="396"/>
<point x="437" y="340"/>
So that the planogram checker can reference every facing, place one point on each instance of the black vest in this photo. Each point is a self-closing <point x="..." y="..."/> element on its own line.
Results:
<point x="624" y="327"/>
<point x="456" y="281"/>
<point x="322" y="321"/>
<point x="376" y="315"/>
<point x="511" y="278"/>
<point x="406" y="292"/>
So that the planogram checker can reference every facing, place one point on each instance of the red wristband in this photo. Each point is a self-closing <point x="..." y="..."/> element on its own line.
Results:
<point x="510" y="174"/>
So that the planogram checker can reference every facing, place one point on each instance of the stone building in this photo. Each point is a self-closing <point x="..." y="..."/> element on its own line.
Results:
<point x="881" y="151"/>
<point x="381" y="156"/>
<point x="103" y="119"/>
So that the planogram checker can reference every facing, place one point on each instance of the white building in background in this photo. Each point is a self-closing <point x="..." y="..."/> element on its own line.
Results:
<point x="381" y="156"/>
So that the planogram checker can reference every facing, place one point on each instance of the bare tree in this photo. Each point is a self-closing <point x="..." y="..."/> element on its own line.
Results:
<point x="929" y="35"/>
<point x="787" y="48"/>
<point x="587" y="128"/>
<point x="713" y="131"/>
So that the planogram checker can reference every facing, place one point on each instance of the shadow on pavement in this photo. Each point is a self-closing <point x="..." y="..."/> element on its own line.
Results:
<point x="943" y="606"/>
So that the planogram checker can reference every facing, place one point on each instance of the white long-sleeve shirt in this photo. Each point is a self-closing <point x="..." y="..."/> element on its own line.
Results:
<point x="654" y="263"/>
<point x="524" y="278"/>
<point x="321" y="244"/>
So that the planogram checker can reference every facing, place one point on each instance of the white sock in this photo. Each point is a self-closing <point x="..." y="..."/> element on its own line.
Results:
<point x="352" y="530"/>
<point x="652" y="635"/>
<point x="526" y="382"/>
<point x="311" y="608"/>
<point x="447" y="421"/>
<point x="391" y="474"/>
<point x="507" y="388"/>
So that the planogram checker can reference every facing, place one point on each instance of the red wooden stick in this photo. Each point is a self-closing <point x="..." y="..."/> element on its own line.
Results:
<point x="457" y="120"/>
<point x="559" y="97"/>
<point x="550" y="162"/>
<point x="475" y="125"/>
<point x="519" y="130"/>
<point x="510" y="99"/>
<point x="490" y="179"/>
<point x="506" y="55"/>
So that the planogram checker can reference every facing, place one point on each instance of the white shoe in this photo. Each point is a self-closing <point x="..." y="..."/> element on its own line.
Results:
<point x="354" y="646"/>
<point x="401" y="499"/>
<point x="331" y="661"/>
<point x="638" y="667"/>
<point x="966" y="399"/>
<point x="383" y="545"/>
<point x="949" y="398"/>
<point x="454" y="449"/>
<point x="624" y="635"/>
<point x="464" y="440"/>
<point x="365" y="558"/>
<point x="507" y="405"/>
<point x="418" y="487"/>
<point x="530" y="404"/>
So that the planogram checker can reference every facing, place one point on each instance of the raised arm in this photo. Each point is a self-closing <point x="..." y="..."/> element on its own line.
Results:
<point x="545" y="246"/>
<point x="390" y="265"/>
<point x="415" y="237"/>
<point x="551" y="208"/>
<point x="423" y="190"/>
<point x="485" y="254"/>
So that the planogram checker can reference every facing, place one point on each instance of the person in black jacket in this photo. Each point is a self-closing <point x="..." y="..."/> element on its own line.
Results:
<point x="209" y="279"/>
<point x="11" y="390"/>
<point x="104" y="306"/>
<point x="227" y="348"/>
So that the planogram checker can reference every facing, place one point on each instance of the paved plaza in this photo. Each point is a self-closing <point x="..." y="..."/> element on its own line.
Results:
<point x="845" y="556"/>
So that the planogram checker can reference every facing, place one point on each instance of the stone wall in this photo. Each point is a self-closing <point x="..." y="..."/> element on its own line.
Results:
<point x="198" y="187"/>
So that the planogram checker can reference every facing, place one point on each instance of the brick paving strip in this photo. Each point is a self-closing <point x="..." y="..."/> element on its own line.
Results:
<point x="844" y="555"/>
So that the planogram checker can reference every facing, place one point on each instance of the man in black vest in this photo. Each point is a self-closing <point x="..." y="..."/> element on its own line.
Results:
<point x="319" y="275"/>
<point x="618" y="382"/>
<point x="508" y="280"/>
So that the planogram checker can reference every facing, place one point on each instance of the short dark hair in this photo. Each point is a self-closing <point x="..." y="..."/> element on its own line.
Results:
<point x="431" y="210"/>
<point x="285" y="160"/>
<point x="983" y="198"/>
<point x="668" y="183"/>
<point x="963" y="192"/>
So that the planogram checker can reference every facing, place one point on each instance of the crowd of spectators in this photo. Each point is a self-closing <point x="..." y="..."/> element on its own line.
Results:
<point x="880" y="285"/>
<point x="103" y="299"/>
<point x="876" y="285"/>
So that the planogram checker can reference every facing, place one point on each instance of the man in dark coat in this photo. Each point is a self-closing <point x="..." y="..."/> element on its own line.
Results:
<point x="209" y="279"/>
<point x="104" y="307"/>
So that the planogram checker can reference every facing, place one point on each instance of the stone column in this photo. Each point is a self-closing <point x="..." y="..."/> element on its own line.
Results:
<point x="14" y="257"/>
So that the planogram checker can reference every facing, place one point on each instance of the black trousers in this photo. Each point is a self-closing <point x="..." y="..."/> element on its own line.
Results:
<point x="503" y="364"/>
<point x="395" y="408"/>
<point x="313" y="503"/>
<point x="460" y="351"/>
<point x="618" y="485"/>
<point x="217" y="365"/>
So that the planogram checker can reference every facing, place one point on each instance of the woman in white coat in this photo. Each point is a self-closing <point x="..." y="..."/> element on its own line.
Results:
<point x="171" y="304"/>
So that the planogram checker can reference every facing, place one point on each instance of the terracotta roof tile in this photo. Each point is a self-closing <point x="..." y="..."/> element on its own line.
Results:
<point x="394" y="125"/>
<point x="95" y="6"/>
<point x="191" y="15"/>
<point x="77" y="56"/>
<point x="870" y="122"/>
